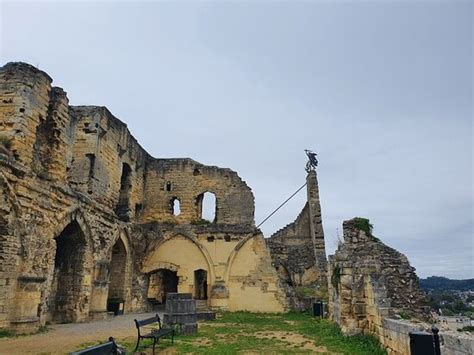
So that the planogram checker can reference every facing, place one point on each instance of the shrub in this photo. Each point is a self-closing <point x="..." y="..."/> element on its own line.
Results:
<point x="364" y="225"/>
<point x="201" y="222"/>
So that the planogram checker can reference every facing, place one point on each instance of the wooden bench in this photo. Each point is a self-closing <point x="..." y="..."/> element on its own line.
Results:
<point x="154" y="333"/>
<point x="108" y="348"/>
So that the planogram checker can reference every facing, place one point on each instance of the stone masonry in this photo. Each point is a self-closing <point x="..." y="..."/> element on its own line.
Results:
<point x="88" y="218"/>
<point x="369" y="281"/>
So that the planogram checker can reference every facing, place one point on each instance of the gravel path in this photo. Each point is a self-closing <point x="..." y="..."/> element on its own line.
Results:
<point x="64" y="338"/>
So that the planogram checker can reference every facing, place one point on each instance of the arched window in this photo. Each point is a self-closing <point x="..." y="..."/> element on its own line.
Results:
<point x="207" y="206"/>
<point x="175" y="206"/>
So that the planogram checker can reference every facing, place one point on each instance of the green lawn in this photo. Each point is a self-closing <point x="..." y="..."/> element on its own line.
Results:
<point x="242" y="332"/>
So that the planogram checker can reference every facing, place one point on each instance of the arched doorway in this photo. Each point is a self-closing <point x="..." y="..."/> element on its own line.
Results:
<point x="68" y="274"/>
<point x="117" y="285"/>
<point x="162" y="282"/>
<point x="200" y="284"/>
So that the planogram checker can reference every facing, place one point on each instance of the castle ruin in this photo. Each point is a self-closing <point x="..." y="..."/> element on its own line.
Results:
<point x="88" y="217"/>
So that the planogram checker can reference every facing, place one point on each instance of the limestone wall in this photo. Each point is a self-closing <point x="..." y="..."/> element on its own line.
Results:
<point x="369" y="281"/>
<point x="80" y="200"/>
<point x="187" y="180"/>
<point x="239" y="271"/>
<point x="371" y="286"/>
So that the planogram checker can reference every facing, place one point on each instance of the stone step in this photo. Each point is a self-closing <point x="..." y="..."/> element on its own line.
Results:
<point x="202" y="305"/>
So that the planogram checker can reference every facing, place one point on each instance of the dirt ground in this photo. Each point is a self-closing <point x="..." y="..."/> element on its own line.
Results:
<point x="64" y="338"/>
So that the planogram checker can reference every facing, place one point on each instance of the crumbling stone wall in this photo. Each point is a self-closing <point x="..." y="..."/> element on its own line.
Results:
<point x="369" y="281"/>
<point x="298" y="250"/>
<point x="73" y="181"/>
<point x="187" y="180"/>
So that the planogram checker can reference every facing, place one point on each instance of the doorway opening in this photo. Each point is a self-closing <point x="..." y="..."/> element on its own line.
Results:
<point x="200" y="284"/>
<point x="116" y="293"/>
<point x="68" y="274"/>
<point x="162" y="282"/>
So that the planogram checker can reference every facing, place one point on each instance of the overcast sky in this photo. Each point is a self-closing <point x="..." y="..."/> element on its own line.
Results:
<point x="381" y="90"/>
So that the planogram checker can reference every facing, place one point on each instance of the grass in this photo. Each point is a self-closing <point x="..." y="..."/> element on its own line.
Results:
<point x="201" y="222"/>
<point x="11" y="334"/>
<point x="404" y="315"/>
<point x="7" y="334"/>
<point x="468" y="328"/>
<point x="241" y="332"/>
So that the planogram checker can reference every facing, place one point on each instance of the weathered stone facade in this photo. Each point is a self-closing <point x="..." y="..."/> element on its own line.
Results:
<point x="369" y="282"/>
<point x="298" y="250"/>
<point x="87" y="216"/>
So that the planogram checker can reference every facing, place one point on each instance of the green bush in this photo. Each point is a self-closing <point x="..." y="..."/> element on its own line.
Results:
<point x="201" y="222"/>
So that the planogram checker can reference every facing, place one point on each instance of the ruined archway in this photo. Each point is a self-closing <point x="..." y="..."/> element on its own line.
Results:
<point x="68" y="276"/>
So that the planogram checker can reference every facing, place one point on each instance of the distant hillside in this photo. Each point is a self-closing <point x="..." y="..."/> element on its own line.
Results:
<point x="443" y="283"/>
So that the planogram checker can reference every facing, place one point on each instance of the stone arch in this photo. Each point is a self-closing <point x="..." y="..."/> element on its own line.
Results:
<point x="119" y="273"/>
<point x="191" y="238"/>
<point x="182" y="253"/>
<point x="78" y="216"/>
<point x="233" y="254"/>
<point x="165" y="265"/>
<point x="250" y="275"/>
<point x="72" y="236"/>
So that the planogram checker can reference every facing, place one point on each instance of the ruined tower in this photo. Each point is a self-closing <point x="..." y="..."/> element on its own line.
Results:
<point x="316" y="225"/>
<point x="298" y="249"/>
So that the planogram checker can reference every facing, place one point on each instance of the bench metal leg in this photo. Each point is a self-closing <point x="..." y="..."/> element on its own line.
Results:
<point x="172" y="337"/>
<point x="138" y="343"/>
<point x="154" y="343"/>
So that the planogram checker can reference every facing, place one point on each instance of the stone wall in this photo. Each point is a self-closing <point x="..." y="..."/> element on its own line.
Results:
<point x="74" y="182"/>
<point x="186" y="181"/>
<point x="298" y="250"/>
<point x="369" y="281"/>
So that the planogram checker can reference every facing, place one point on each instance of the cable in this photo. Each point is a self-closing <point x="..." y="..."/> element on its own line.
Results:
<point x="288" y="199"/>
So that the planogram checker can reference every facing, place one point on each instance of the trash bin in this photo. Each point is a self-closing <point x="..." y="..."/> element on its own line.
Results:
<point x="421" y="343"/>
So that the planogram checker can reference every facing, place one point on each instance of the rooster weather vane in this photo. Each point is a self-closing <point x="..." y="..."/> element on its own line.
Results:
<point x="312" y="160"/>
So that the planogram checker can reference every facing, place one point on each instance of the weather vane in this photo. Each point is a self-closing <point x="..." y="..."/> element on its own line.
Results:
<point x="312" y="160"/>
